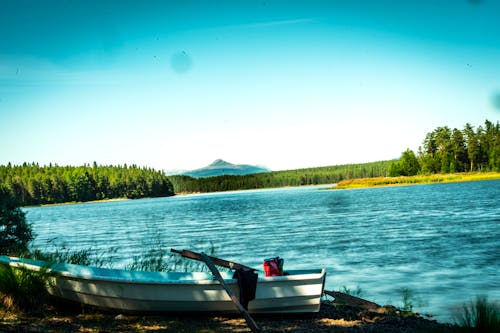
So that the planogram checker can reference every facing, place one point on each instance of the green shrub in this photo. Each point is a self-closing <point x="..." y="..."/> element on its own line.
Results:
<point x="23" y="289"/>
<point x="15" y="232"/>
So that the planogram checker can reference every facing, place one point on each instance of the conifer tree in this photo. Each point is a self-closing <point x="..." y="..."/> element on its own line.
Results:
<point x="15" y="232"/>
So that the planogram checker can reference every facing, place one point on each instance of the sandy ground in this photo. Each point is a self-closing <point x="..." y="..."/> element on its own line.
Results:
<point x="332" y="317"/>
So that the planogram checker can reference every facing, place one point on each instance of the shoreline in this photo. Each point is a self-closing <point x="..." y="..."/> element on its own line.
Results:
<point x="354" y="183"/>
<point x="77" y="202"/>
<point x="358" y="183"/>
<point x="333" y="317"/>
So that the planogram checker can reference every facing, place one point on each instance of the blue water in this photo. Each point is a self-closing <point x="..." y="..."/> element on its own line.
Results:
<point x="441" y="241"/>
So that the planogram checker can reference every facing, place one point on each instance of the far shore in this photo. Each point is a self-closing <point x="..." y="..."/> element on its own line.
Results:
<point x="415" y="180"/>
<point x="79" y="202"/>
<point x="354" y="183"/>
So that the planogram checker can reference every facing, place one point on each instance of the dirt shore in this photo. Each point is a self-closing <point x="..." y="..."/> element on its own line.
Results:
<point x="331" y="318"/>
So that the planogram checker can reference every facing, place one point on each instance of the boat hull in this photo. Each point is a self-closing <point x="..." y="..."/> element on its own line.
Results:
<point x="135" y="291"/>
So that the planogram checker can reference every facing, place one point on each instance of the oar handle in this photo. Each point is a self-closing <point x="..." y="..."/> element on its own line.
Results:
<point x="217" y="261"/>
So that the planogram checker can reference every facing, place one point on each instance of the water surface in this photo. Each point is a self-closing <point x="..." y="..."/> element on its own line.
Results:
<point x="440" y="241"/>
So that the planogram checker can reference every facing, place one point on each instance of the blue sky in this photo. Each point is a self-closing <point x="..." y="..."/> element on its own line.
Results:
<point x="285" y="84"/>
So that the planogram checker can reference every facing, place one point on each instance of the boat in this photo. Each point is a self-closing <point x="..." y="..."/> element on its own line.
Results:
<point x="129" y="291"/>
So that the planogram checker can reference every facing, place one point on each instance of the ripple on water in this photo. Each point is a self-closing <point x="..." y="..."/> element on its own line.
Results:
<point x="440" y="241"/>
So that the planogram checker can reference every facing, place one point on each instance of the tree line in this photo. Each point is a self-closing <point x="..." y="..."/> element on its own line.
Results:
<point x="32" y="184"/>
<point x="444" y="150"/>
<point x="448" y="150"/>
<point x="299" y="177"/>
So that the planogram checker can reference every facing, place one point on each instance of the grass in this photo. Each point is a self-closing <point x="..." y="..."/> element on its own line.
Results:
<point x="357" y="292"/>
<point x="480" y="316"/>
<point x="407" y="296"/>
<point x="155" y="257"/>
<point x="158" y="258"/>
<point x="419" y="179"/>
<point x="86" y="257"/>
<point x="23" y="289"/>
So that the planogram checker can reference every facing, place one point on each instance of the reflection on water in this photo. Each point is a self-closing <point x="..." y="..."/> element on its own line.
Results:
<point x="439" y="241"/>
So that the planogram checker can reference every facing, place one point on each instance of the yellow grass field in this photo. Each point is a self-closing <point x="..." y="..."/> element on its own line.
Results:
<point x="412" y="180"/>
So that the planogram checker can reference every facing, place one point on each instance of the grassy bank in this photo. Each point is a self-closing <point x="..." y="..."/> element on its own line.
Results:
<point x="419" y="179"/>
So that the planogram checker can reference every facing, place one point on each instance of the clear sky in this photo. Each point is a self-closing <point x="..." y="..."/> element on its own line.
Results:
<point x="284" y="84"/>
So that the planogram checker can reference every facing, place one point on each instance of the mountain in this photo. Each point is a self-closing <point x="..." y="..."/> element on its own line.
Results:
<point x="220" y="167"/>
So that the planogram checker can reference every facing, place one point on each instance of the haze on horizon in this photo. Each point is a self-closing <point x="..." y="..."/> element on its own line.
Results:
<point x="286" y="85"/>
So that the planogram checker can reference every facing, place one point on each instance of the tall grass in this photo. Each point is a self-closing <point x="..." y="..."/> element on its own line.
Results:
<point x="480" y="316"/>
<point x="86" y="257"/>
<point x="353" y="292"/>
<point x="407" y="297"/>
<point x="60" y="253"/>
<point x="23" y="289"/>
<point x="157" y="257"/>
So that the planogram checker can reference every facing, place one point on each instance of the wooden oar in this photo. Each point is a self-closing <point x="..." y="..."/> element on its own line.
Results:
<point x="250" y="322"/>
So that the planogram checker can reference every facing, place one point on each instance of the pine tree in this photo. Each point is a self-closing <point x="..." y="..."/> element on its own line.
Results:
<point x="15" y="232"/>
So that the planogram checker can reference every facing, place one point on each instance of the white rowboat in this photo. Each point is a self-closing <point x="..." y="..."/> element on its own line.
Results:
<point x="139" y="291"/>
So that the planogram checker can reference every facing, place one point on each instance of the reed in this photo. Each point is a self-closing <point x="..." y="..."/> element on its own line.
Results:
<point x="157" y="258"/>
<point x="87" y="257"/>
<point x="480" y="316"/>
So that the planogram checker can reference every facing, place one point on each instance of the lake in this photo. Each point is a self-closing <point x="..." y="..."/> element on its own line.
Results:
<point x="441" y="242"/>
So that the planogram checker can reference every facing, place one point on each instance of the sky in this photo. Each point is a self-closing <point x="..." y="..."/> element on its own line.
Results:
<point x="282" y="84"/>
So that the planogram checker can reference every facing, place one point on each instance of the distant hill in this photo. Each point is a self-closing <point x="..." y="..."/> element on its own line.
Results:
<point x="220" y="167"/>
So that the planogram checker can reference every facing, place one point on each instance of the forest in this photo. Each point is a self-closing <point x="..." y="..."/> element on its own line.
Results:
<point x="446" y="150"/>
<point x="31" y="184"/>
<point x="298" y="177"/>
<point x="443" y="150"/>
